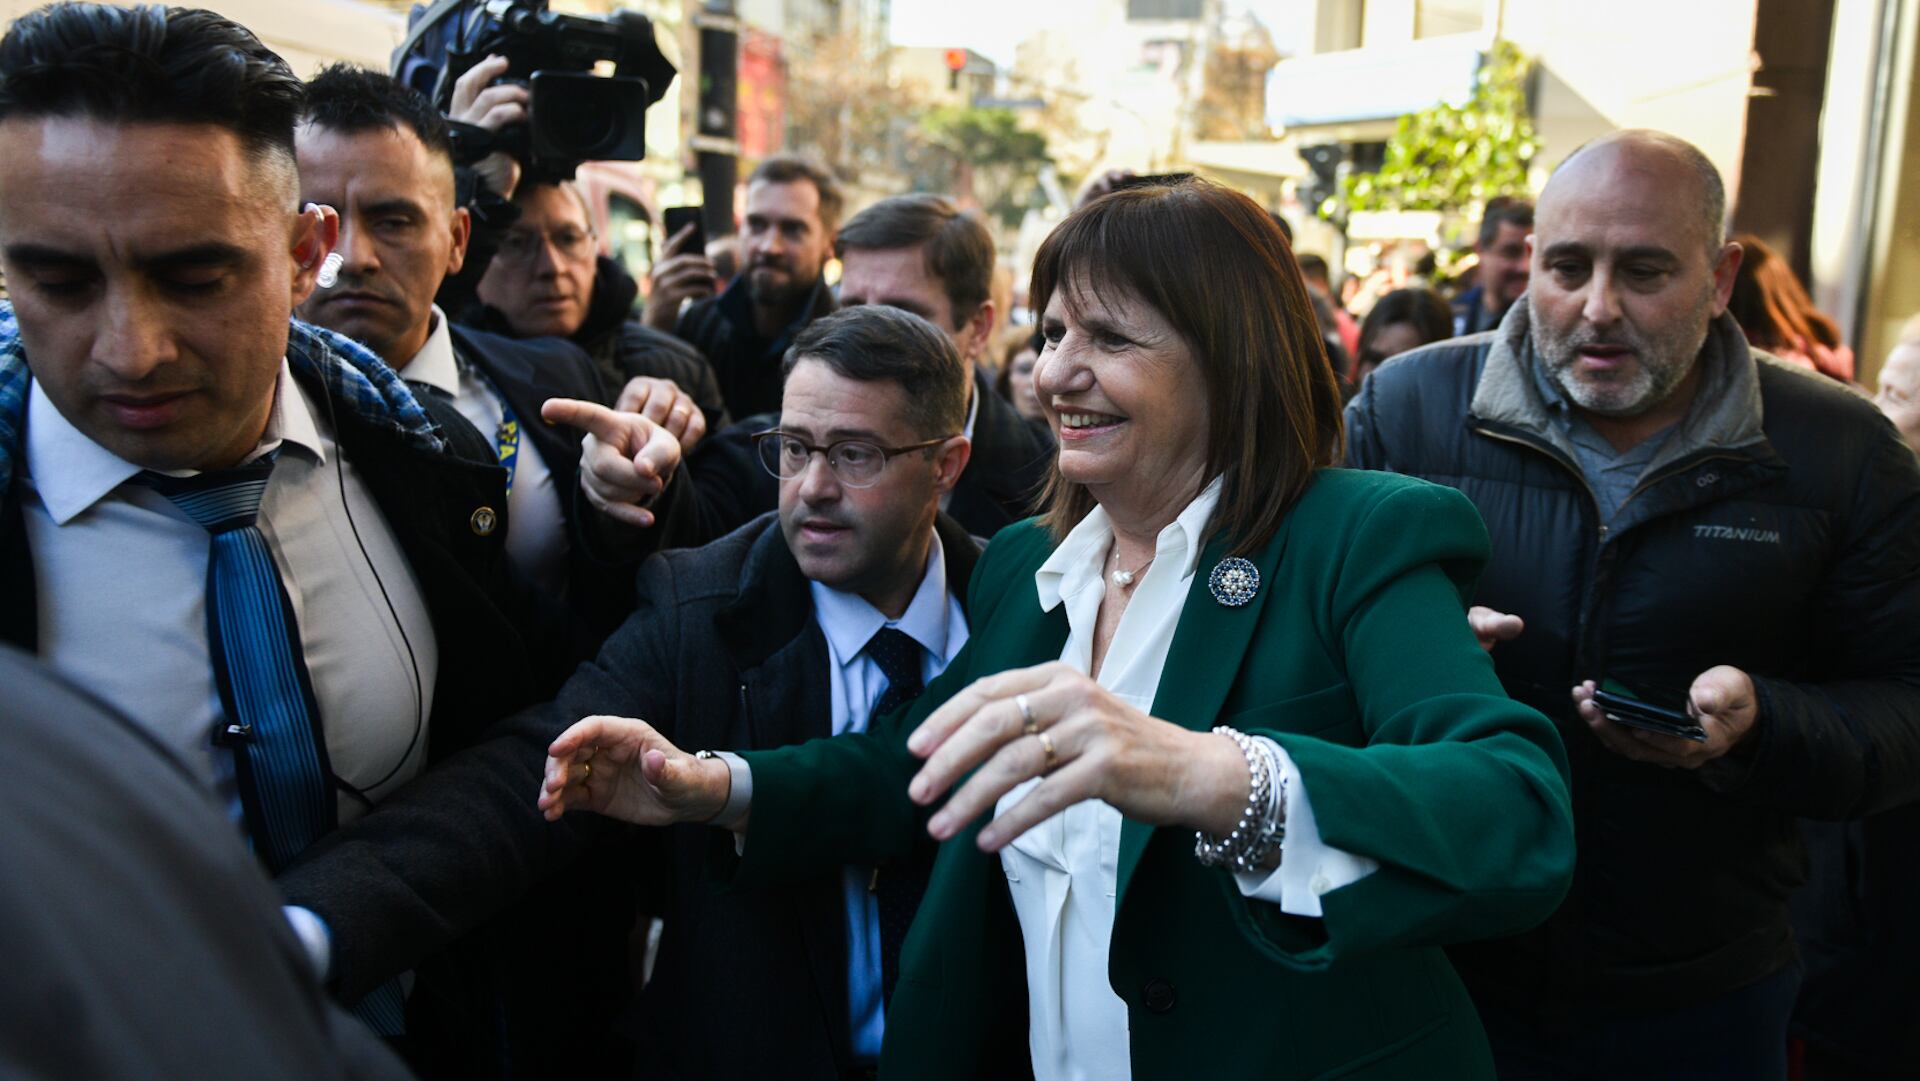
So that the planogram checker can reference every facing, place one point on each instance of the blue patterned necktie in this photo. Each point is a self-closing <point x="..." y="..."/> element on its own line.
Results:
<point x="272" y="723"/>
<point x="898" y="886"/>
<point x="272" y="719"/>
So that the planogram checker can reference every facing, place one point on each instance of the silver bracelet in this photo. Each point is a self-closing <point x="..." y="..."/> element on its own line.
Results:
<point x="1273" y="826"/>
<point x="1262" y="824"/>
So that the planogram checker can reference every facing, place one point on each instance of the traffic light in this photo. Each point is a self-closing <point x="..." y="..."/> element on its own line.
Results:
<point x="956" y="62"/>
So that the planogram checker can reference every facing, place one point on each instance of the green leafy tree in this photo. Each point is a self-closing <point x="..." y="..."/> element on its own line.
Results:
<point x="1454" y="157"/>
<point x="982" y="157"/>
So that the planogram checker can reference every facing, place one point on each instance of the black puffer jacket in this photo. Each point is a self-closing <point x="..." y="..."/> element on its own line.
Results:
<point x="1779" y="532"/>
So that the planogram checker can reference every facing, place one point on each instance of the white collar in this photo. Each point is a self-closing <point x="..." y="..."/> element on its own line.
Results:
<point x="849" y="622"/>
<point x="71" y="472"/>
<point x="434" y="364"/>
<point x="1079" y="560"/>
<point x="973" y="407"/>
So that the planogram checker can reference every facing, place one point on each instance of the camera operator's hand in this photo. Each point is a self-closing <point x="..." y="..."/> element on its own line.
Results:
<point x="664" y="403"/>
<point x="494" y="108"/>
<point x="679" y="276"/>
<point x="626" y="460"/>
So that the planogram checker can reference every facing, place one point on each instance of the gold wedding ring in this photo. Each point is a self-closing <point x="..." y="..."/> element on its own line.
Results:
<point x="586" y="772"/>
<point x="1046" y="744"/>
<point x="1029" y="727"/>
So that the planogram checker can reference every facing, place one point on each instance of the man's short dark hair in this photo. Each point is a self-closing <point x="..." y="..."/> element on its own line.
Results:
<point x="1504" y="210"/>
<point x="351" y="99"/>
<point x="872" y="342"/>
<point x="792" y="168"/>
<point x="958" y="249"/>
<point x="149" y="65"/>
<point x="1314" y="268"/>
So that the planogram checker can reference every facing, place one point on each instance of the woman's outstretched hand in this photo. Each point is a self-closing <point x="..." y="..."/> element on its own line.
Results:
<point x="622" y="768"/>
<point x="1084" y="743"/>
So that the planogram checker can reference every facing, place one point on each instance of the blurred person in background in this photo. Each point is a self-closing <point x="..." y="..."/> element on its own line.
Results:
<point x="1777" y="316"/>
<point x="549" y="279"/>
<point x="1899" y="393"/>
<point x="1502" y="274"/>
<point x="1403" y="319"/>
<point x="793" y="209"/>
<point x="1313" y="268"/>
<point x="1016" y="376"/>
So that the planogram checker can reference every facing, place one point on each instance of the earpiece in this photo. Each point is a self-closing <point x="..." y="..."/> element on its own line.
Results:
<point x="329" y="274"/>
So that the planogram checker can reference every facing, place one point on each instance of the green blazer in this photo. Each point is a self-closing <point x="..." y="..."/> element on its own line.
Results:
<point x="1356" y="657"/>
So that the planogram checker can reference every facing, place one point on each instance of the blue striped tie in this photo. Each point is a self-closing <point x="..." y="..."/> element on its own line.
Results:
<point x="272" y="720"/>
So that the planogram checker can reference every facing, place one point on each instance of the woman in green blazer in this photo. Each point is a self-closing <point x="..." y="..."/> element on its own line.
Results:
<point x="1221" y="769"/>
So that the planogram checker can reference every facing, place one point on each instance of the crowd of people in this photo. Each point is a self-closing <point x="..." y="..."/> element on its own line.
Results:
<point x="803" y="678"/>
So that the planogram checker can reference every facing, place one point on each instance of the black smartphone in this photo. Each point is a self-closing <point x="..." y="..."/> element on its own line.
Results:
<point x="1632" y="712"/>
<point x="676" y="218"/>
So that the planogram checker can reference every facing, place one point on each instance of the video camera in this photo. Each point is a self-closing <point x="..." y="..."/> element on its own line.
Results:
<point x="574" y="114"/>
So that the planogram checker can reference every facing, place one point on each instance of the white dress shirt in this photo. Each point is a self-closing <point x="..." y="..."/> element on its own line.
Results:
<point x="536" y="532"/>
<point x="1063" y="873"/>
<point x="855" y="685"/>
<point x="120" y="574"/>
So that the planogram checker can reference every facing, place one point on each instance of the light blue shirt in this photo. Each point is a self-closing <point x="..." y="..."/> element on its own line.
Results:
<point x="934" y="619"/>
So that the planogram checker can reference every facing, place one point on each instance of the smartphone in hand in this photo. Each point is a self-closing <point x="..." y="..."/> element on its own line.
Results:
<point x="676" y="218"/>
<point x="1622" y="708"/>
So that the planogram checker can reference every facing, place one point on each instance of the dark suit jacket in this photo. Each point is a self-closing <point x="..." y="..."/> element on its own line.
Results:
<point x="722" y="653"/>
<point x="141" y="938"/>
<point x="528" y="371"/>
<point x="723" y="484"/>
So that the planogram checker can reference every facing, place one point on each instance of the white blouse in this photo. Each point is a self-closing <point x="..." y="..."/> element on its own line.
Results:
<point x="1063" y="873"/>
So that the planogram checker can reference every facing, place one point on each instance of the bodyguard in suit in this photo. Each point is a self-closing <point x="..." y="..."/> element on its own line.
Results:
<point x="243" y="530"/>
<point x="377" y="151"/>
<point x="803" y="623"/>
<point x="921" y="254"/>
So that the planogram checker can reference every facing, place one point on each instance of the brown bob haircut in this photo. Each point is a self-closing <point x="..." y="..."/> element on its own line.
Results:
<point x="1214" y="264"/>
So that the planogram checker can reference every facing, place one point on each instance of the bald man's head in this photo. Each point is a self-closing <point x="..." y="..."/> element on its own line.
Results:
<point x="1645" y="149"/>
<point x="1629" y="272"/>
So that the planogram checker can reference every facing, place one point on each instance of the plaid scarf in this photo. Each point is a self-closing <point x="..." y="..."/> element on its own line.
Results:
<point x="359" y="383"/>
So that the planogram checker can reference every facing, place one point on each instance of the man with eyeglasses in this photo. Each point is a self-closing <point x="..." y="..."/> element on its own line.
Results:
<point x="548" y="278"/>
<point x="801" y="624"/>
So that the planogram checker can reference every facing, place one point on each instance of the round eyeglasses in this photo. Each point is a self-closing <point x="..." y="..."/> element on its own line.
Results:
<point x="525" y="245"/>
<point x="855" y="462"/>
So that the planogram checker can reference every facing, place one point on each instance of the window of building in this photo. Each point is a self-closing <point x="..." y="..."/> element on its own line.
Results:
<point x="1163" y="9"/>
<point x="1434" y="18"/>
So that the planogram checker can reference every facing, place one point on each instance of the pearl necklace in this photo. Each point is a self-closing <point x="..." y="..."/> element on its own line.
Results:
<point x="1124" y="578"/>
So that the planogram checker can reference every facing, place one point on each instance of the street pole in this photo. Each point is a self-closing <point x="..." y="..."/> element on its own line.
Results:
<point x="715" y="142"/>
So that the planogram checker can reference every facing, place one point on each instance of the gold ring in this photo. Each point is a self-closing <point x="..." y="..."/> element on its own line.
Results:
<point x="1046" y="744"/>
<point x="1029" y="727"/>
<point x="586" y="772"/>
